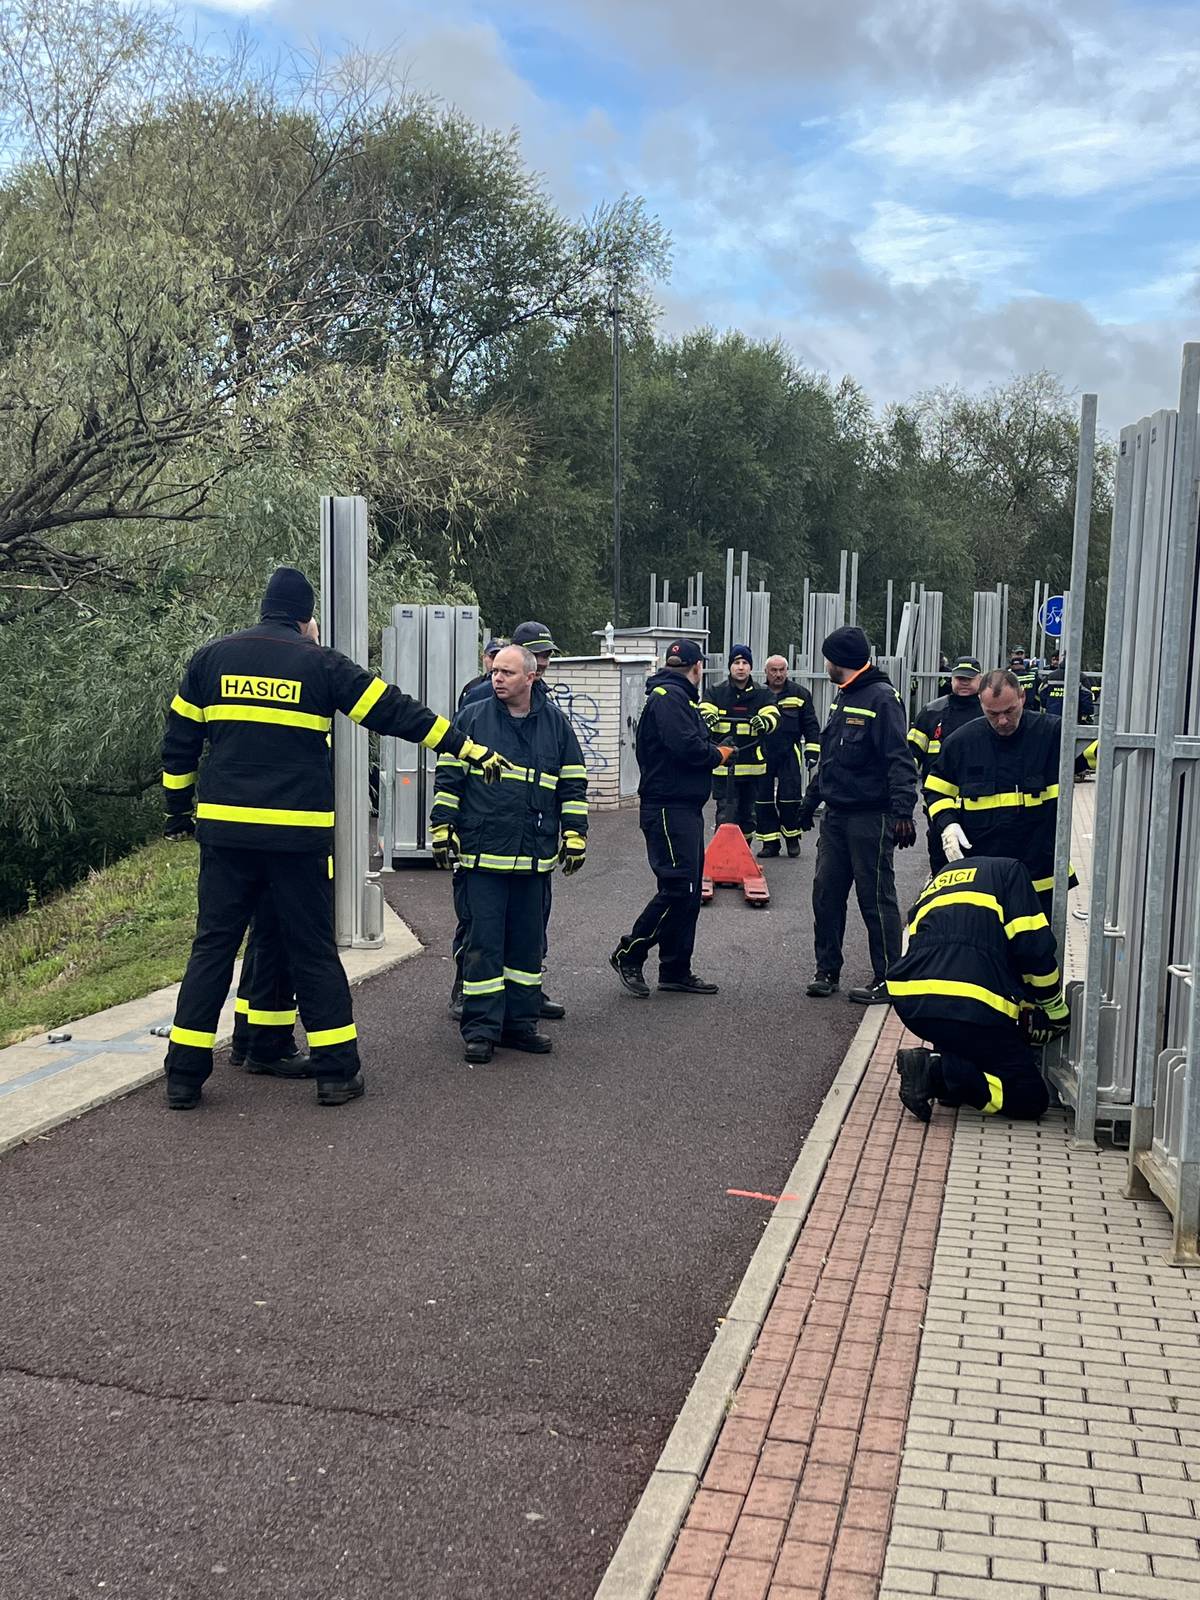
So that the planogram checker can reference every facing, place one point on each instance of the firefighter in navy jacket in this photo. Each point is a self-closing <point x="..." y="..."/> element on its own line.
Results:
<point x="739" y="712"/>
<point x="791" y="748"/>
<point x="981" y="964"/>
<point x="503" y="843"/>
<point x="261" y="806"/>
<point x="676" y="757"/>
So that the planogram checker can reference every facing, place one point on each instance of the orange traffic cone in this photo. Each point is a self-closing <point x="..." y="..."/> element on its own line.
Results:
<point x="729" y="860"/>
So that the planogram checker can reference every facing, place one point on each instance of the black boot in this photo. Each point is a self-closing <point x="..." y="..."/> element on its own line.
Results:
<point x="455" y="1007"/>
<point x="337" y="1091"/>
<point x="874" y="993"/>
<point x="182" y="1096"/>
<point x="297" y="1065"/>
<point x="479" y="1052"/>
<point x="823" y="985"/>
<point x="793" y="847"/>
<point x="913" y="1067"/>
<point x="768" y="851"/>
<point x="689" y="985"/>
<point x="630" y="976"/>
<point x="552" y="1009"/>
<point x="529" y="1039"/>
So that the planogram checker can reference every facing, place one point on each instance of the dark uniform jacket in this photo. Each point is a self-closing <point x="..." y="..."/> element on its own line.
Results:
<point x="1003" y="792"/>
<point x="264" y="700"/>
<point x="674" y="752"/>
<point x="728" y="711"/>
<point x="798" y="734"/>
<point x="865" y="761"/>
<point x="937" y="721"/>
<point x="980" y="949"/>
<point x="1029" y="679"/>
<point x="1053" y="690"/>
<point x="514" y="825"/>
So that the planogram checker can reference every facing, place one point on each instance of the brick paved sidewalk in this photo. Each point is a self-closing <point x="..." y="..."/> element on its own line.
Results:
<point x="797" y="1499"/>
<point x="1012" y="1415"/>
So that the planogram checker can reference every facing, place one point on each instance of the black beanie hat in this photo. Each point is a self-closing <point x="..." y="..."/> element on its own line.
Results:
<point x="742" y="650"/>
<point x="289" y="596"/>
<point x="847" y="647"/>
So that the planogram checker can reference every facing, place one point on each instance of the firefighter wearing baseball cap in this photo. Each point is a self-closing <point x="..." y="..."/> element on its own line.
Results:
<point x="980" y="982"/>
<point x="257" y="707"/>
<point x="676" y="756"/>
<point x="738" y="713"/>
<point x="936" y="722"/>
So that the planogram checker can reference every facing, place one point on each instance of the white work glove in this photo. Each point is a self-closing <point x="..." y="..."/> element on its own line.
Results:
<point x="954" y="842"/>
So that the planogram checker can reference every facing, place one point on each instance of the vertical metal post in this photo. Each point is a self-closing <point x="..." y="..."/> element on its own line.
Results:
<point x="1084" y="474"/>
<point x="744" y="601"/>
<point x="842" y="563"/>
<point x="1033" y="626"/>
<point x="357" y="899"/>
<point x="616" y="451"/>
<point x="728" y="601"/>
<point x="653" y="599"/>
<point x="853" y="618"/>
<point x="888" y="651"/>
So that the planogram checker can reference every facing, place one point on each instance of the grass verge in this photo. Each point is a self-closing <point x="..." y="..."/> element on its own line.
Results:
<point x="115" y="936"/>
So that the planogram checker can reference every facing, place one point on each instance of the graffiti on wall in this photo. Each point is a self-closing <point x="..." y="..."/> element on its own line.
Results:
<point x="583" y="713"/>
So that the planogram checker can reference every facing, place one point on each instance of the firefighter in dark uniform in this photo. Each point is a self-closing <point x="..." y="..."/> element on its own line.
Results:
<point x="534" y="637"/>
<point x="868" y="784"/>
<point x="262" y="809"/>
<point x="738" y="713"/>
<point x="264" y="1018"/>
<point x="490" y="651"/>
<point x="980" y="967"/>
<point x="1052" y="691"/>
<point x="1026" y="674"/>
<point x="937" y="721"/>
<point x="993" y="787"/>
<point x="792" y="748"/>
<point x="503" y="845"/>
<point x="676" y="757"/>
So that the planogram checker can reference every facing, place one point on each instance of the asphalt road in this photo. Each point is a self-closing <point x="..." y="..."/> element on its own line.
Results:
<point x="429" y="1344"/>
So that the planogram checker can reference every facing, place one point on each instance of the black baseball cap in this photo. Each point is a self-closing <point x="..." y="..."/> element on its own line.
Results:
<point x="966" y="667"/>
<point x="684" y="653"/>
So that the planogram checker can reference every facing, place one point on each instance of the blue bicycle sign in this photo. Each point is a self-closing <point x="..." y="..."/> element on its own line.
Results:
<point x="1050" y="617"/>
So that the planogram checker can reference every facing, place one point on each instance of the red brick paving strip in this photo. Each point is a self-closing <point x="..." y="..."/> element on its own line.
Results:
<point x="796" y="1502"/>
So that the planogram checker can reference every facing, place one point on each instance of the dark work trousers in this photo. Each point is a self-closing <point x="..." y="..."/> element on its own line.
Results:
<point x="739" y="805"/>
<point x="462" y="913"/>
<point x="264" y="1017"/>
<point x="675" y="849"/>
<point x="778" y="807"/>
<point x="937" y="856"/>
<point x="993" y="1069"/>
<point x="233" y="885"/>
<point x="855" y="848"/>
<point x="502" y="953"/>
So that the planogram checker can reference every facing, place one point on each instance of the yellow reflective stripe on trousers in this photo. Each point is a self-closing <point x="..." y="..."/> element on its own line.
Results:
<point x="207" y="812"/>
<point x="958" y="991"/>
<point x="957" y="897"/>
<point x="485" y="986"/>
<point x="268" y="714"/>
<point x="995" y="1095"/>
<point x="198" y="1041"/>
<point x="271" y="1019"/>
<point x="437" y="733"/>
<point x="529" y="980"/>
<point x="242" y="1006"/>
<point x="324" y="1036"/>
<point x="178" y="780"/>
<point x="185" y="708"/>
<point x="367" y="699"/>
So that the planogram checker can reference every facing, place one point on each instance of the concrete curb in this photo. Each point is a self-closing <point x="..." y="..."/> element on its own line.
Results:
<point x="649" y="1537"/>
<point x="112" y="1052"/>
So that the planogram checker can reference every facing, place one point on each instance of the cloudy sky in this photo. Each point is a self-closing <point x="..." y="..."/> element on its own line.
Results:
<point x="912" y="191"/>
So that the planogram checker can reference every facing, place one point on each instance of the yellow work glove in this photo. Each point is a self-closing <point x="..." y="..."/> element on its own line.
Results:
<point x="445" y="845"/>
<point x="572" y="852"/>
<point x="489" y="764"/>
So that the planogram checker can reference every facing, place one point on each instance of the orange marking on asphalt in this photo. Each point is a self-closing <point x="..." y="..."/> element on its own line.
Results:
<point x="753" y="1194"/>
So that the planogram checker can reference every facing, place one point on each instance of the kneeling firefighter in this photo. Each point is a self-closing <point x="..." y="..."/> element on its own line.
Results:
<point x="980" y="981"/>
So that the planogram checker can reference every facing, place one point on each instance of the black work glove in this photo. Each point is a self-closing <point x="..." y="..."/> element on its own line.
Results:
<point x="444" y="842"/>
<point x="904" y="832"/>
<point x="178" y="828"/>
<point x="805" y="820"/>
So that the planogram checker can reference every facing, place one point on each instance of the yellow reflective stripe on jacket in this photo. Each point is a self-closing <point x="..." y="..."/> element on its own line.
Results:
<point x="1026" y="924"/>
<point x="995" y="1095"/>
<point x="1042" y="980"/>
<point x="941" y="785"/>
<point x="268" y="714"/>
<point x="207" y="812"/>
<point x="915" y="736"/>
<point x="957" y="897"/>
<point x="942" y="805"/>
<point x="792" y="703"/>
<point x="185" y="708"/>
<point x="574" y="808"/>
<point x="1011" y="797"/>
<point x="449" y="761"/>
<point x="443" y="797"/>
<point x="1091" y="754"/>
<point x="934" y="746"/>
<point x="573" y="771"/>
<point x="198" y="1041"/>
<point x="529" y="980"/>
<point x="854" y="711"/>
<point x="367" y="699"/>
<point x="957" y="991"/>
<point x="1044" y="885"/>
<point x="178" y="780"/>
<point x="270" y="1019"/>
<point x="437" y="733"/>
<point x="324" y="1036"/>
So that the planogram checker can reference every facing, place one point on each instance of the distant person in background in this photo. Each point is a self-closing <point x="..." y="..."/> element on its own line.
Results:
<point x="792" y="749"/>
<point x="935" y="723"/>
<point x="489" y="657"/>
<point x="1026" y="675"/>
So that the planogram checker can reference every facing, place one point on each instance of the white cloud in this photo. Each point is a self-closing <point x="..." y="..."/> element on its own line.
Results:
<point x="911" y="246"/>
